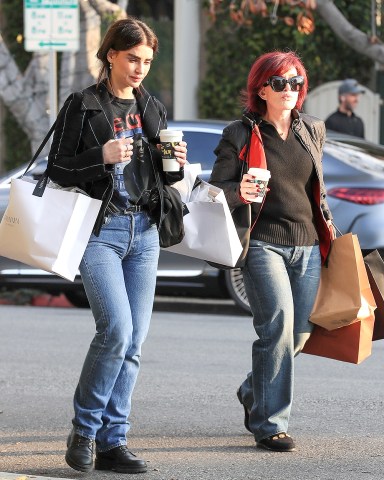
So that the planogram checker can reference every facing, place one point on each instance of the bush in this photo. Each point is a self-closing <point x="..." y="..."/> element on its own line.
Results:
<point x="231" y="49"/>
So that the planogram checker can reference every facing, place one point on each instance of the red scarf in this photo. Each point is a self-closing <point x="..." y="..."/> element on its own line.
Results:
<point x="256" y="154"/>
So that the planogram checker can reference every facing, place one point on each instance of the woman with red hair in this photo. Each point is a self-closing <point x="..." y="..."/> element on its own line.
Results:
<point x="291" y="234"/>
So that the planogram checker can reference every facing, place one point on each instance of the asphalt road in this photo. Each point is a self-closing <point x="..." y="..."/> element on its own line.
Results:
<point x="186" y="420"/>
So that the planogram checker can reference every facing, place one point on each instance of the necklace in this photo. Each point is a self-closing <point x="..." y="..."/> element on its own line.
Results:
<point x="282" y="133"/>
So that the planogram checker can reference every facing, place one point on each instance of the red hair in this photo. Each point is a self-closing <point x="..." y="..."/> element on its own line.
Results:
<point x="268" y="64"/>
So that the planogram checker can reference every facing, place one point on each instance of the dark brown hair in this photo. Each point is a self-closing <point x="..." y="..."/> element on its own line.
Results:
<point x="123" y="35"/>
<point x="272" y="63"/>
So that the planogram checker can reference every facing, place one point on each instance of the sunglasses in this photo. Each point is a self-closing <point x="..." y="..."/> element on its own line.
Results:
<point x="278" y="83"/>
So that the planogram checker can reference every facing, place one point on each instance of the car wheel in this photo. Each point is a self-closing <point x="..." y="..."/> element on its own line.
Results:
<point x="235" y="286"/>
<point x="78" y="298"/>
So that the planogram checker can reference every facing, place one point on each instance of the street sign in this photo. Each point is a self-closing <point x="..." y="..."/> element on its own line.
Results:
<point x="51" y="25"/>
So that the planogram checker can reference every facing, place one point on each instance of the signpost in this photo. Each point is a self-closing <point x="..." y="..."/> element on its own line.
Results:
<point x="51" y="25"/>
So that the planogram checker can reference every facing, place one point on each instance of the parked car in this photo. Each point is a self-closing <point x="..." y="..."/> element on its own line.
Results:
<point x="354" y="176"/>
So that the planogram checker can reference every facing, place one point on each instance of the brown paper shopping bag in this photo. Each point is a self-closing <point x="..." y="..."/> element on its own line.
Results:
<point x="352" y="343"/>
<point x="344" y="294"/>
<point x="375" y="268"/>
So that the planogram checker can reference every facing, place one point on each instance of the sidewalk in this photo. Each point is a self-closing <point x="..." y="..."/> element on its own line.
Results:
<point x="16" y="476"/>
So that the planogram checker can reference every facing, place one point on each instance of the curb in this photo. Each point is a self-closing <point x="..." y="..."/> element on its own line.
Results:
<point x="46" y="300"/>
<point x="38" y="300"/>
<point x="18" y="476"/>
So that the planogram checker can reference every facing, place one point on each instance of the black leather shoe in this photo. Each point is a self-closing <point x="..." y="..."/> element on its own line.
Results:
<point x="120" y="460"/>
<point x="79" y="454"/>
<point x="281" y="442"/>
<point x="246" y="413"/>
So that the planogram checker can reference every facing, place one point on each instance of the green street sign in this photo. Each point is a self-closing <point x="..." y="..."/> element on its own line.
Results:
<point x="51" y="25"/>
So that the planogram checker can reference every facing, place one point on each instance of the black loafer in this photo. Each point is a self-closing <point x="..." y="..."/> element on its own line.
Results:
<point x="281" y="442"/>
<point x="246" y="413"/>
<point x="79" y="455"/>
<point x="120" y="460"/>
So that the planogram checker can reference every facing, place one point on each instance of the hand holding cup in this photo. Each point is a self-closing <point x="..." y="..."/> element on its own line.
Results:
<point x="173" y="149"/>
<point x="253" y="186"/>
<point x="118" y="150"/>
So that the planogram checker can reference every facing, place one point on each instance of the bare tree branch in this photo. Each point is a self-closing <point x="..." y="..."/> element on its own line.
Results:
<point x="104" y="7"/>
<point x="355" y="38"/>
<point x="358" y="40"/>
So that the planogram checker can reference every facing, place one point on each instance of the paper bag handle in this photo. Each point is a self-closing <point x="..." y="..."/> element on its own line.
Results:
<point x="42" y="182"/>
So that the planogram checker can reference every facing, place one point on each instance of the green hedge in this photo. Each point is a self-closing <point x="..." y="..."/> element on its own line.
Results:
<point x="231" y="50"/>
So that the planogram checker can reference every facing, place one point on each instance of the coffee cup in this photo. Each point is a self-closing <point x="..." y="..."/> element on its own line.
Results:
<point x="168" y="139"/>
<point x="262" y="176"/>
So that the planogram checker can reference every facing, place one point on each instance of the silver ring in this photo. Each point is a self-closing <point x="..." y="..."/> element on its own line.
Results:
<point x="126" y="146"/>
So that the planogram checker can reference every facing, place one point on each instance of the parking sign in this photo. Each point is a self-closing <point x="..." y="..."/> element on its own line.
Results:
<point x="51" y="25"/>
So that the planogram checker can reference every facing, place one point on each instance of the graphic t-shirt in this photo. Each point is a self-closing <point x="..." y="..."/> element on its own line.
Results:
<point x="134" y="179"/>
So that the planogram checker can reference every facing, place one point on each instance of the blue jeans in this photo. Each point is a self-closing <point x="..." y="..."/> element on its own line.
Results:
<point x="281" y="284"/>
<point x="119" y="275"/>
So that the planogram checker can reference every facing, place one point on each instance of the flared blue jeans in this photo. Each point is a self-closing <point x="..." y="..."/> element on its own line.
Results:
<point x="281" y="284"/>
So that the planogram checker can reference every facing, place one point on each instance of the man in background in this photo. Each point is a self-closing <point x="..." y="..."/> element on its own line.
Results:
<point x="344" y="120"/>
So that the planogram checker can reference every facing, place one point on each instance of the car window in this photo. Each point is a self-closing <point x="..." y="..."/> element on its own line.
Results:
<point x="200" y="148"/>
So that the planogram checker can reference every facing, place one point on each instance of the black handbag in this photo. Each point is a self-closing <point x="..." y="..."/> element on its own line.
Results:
<point x="166" y="206"/>
<point x="171" y="227"/>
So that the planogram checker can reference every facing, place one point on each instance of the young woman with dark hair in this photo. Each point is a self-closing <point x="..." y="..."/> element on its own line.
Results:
<point x="289" y="240"/>
<point x="105" y="142"/>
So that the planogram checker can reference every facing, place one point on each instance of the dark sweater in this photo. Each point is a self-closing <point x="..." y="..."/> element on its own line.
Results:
<point x="287" y="215"/>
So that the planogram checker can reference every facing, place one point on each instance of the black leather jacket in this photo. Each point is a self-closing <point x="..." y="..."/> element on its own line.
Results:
<point x="226" y="172"/>
<point x="84" y="124"/>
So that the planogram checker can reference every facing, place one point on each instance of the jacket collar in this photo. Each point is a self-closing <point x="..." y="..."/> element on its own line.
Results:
<point x="98" y="99"/>
<point x="252" y="118"/>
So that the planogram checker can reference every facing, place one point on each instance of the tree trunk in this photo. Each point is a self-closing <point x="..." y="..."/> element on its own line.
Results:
<point x="27" y="95"/>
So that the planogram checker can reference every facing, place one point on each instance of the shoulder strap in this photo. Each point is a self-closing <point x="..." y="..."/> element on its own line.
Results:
<point x="42" y="182"/>
<point x="244" y="155"/>
<point x="42" y="145"/>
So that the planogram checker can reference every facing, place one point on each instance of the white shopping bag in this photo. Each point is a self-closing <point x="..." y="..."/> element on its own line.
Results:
<point x="49" y="232"/>
<point x="185" y="186"/>
<point x="210" y="233"/>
